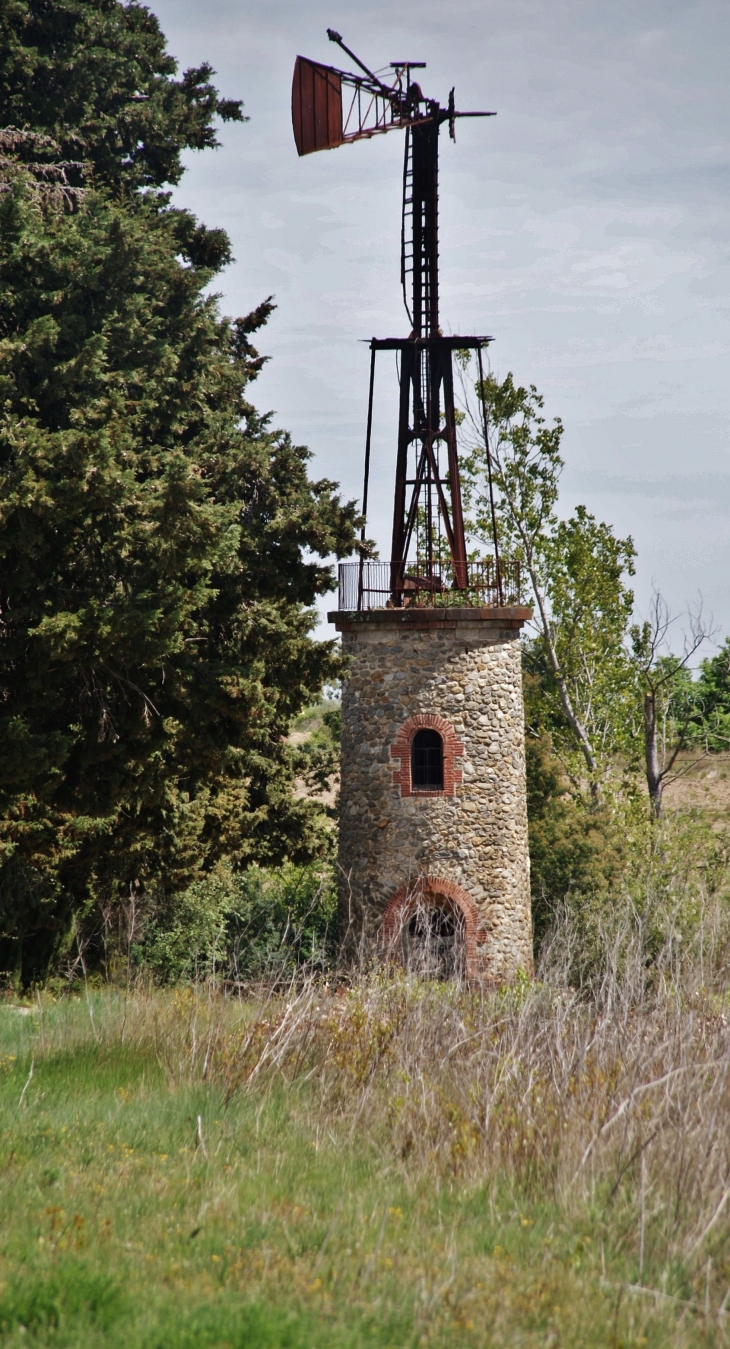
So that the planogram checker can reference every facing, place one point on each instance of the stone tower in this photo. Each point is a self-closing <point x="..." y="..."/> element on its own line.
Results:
<point x="433" y="818"/>
<point x="433" y="838"/>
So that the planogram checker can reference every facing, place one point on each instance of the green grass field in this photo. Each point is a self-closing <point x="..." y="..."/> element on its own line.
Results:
<point x="180" y="1170"/>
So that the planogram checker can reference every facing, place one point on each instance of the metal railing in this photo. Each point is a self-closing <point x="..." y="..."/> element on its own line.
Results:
<point x="386" y="585"/>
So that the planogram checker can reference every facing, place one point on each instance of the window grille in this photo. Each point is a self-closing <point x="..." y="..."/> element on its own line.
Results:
<point x="427" y="762"/>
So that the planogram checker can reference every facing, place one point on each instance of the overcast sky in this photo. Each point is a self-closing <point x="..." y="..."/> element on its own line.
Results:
<point x="586" y="227"/>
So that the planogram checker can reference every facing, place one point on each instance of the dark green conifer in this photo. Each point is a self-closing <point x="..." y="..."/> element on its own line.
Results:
<point x="159" y="542"/>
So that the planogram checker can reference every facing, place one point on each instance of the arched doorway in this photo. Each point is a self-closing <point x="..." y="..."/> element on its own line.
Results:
<point x="430" y="927"/>
<point x="432" y="941"/>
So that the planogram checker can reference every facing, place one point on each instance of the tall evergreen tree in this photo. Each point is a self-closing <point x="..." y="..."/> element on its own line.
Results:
<point x="159" y="542"/>
<point x="95" y="75"/>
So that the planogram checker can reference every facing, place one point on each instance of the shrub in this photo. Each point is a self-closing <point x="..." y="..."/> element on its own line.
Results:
<point x="577" y="847"/>
<point x="244" y="925"/>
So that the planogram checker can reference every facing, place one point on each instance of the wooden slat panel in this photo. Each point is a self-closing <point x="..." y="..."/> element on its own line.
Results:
<point x="316" y="106"/>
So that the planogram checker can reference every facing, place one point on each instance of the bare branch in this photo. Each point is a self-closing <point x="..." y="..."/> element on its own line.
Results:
<point x="660" y="671"/>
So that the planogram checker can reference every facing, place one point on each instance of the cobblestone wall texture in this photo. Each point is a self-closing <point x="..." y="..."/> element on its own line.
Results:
<point x="463" y="666"/>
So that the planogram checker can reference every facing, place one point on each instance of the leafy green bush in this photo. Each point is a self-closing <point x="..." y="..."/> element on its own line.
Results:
<point x="244" y="925"/>
<point x="577" y="846"/>
<point x="712" y="723"/>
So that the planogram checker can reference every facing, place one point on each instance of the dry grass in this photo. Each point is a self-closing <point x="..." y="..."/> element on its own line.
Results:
<point x="616" y="1096"/>
<point x="391" y="1161"/>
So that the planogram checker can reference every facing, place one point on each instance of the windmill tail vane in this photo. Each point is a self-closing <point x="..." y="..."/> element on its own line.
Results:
<point x="332" y="107"/>
<point x="323" y="118"/>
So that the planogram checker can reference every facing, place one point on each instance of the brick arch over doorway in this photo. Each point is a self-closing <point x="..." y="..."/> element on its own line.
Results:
<point x="401" y="749"/>
<point x="441" y="894"/>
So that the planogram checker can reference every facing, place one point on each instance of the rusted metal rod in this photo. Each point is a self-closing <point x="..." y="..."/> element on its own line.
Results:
<point x="489" y="475"/>
<point x="366" y="481"/>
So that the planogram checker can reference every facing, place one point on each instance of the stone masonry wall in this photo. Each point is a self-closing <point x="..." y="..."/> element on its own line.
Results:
<point x="462" y="667"/>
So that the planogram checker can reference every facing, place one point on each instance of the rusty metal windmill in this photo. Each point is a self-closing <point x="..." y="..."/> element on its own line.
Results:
<point x="331" y="107"/>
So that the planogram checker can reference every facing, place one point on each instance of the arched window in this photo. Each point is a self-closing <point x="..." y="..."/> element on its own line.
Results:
<point x="427" y="762"/>
<point x="427" y="749"/>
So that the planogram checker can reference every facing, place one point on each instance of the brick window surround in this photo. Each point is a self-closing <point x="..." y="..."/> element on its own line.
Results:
<point x="443" y="895"/>
<point x="401" y="749"/>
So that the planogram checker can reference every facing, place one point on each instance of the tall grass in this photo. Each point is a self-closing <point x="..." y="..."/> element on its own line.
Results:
<point x="612" y="1096"/>
<point x="382" y="1159"/>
